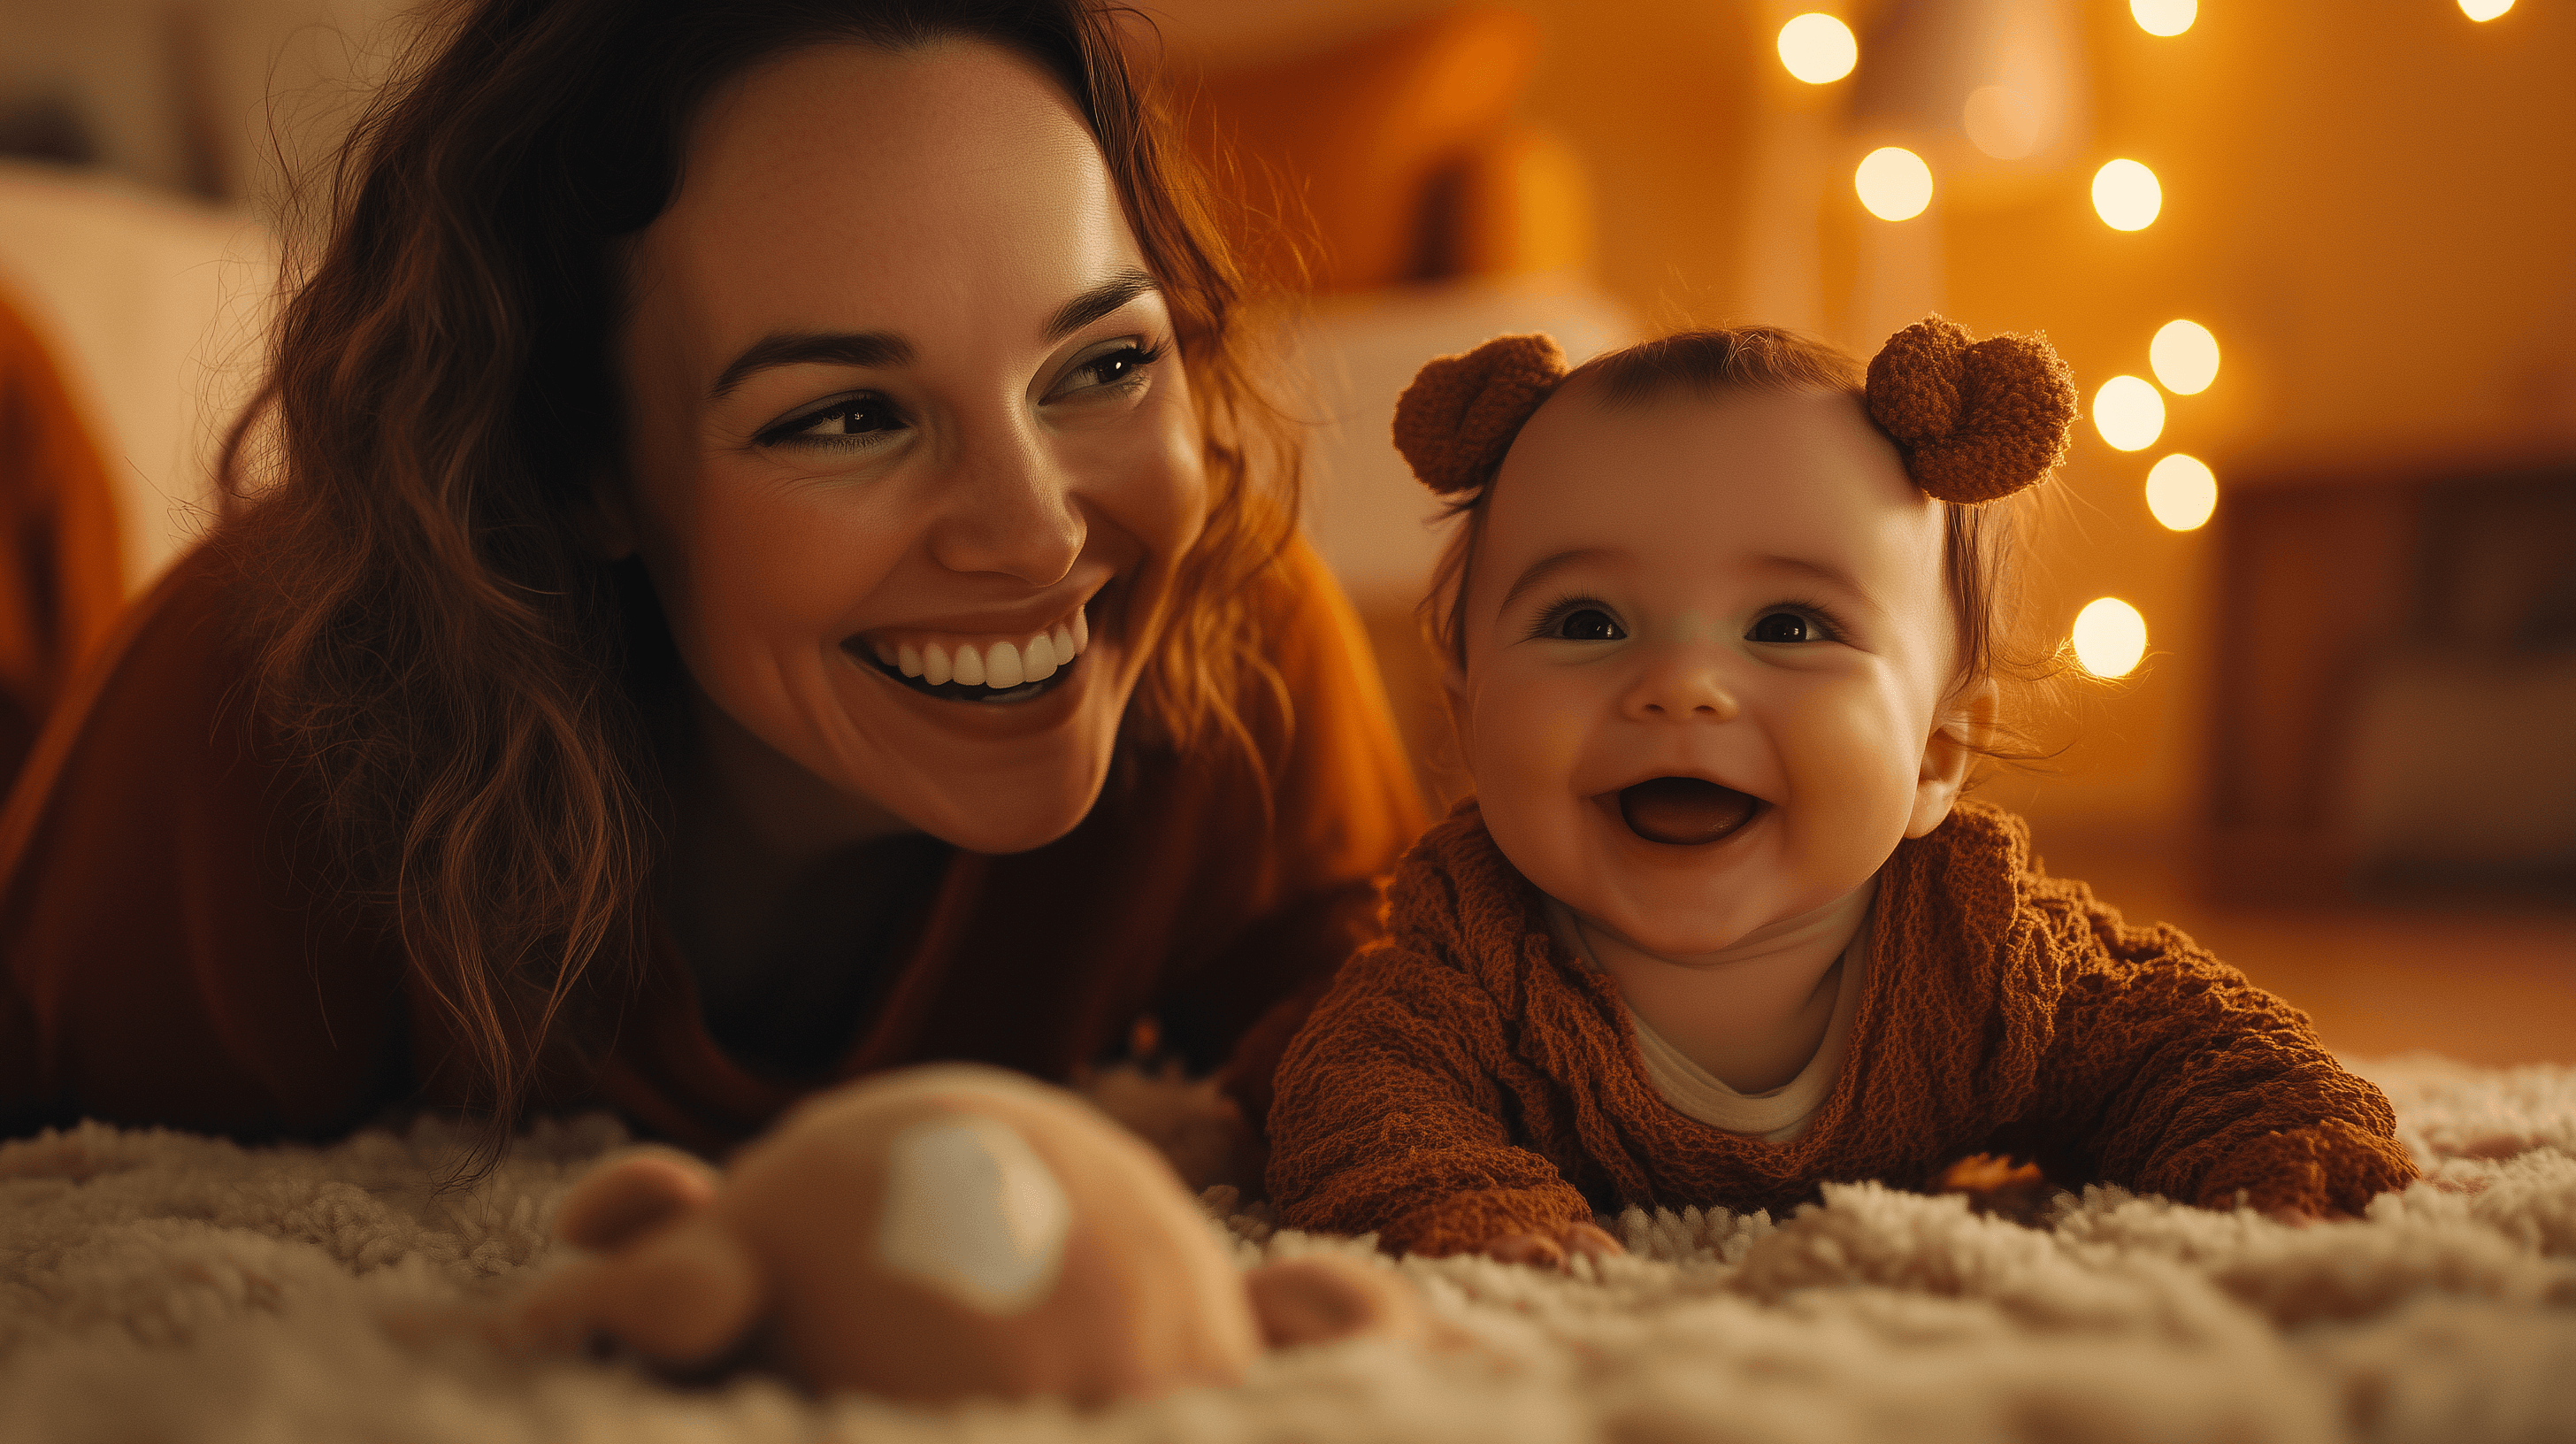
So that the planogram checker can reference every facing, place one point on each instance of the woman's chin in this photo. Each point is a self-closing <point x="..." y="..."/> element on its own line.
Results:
<point x="998" y="831"/>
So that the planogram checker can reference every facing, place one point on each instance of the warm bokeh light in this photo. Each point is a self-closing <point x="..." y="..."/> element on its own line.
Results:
<point x="2185" y="356"/>
<point x="2484" y="9"/>
<point x="1817" y="48"/>
<point x="2110" y="637"/>
<point x="2126" y="196"/>
<point x="1894" y="183"/>
<point x="2169" y="17"/>
<point x="2181" y="492"/>
<point x="2129" y="412"/>
<point x="2002" y="122"/>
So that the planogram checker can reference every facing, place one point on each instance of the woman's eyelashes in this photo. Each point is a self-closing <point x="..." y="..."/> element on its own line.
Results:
<point x="1579" y="619"/>
<point x="847" y="423"/>
<point x="1120" y="366"/>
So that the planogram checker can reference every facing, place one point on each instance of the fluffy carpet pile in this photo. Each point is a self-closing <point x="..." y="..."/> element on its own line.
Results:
<point x="158" y="1286"/>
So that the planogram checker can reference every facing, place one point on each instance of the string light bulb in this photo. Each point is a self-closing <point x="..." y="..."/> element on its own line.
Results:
<point x="2171" y="17"/>
<point x="2185" y="357"/>
<point x="1818" y="48"/>
<point x="2109" y="637"/>
<point x="2129" y="412"/>
<point x="2182" y="492"/>
<point x="2483" y="10"/>
<point x="1894" y="183"/>
<point x="2126" y="196"/>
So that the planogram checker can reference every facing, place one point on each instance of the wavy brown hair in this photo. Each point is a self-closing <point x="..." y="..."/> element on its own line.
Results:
<point x="479" y="696"/>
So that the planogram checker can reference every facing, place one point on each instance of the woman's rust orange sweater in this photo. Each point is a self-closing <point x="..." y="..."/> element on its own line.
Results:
<point x="1466" y="1079"/>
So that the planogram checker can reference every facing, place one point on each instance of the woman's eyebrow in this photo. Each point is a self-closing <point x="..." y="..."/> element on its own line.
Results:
<point x="1099" y="301"/>
<point x="791" y="348"/>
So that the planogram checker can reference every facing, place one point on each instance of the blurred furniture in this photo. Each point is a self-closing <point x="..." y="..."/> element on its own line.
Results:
<point x="156" y="306"/>
<point x="1386" y="182"/>
<point x="61" y="582"/>
<point x="2396" y="687"/>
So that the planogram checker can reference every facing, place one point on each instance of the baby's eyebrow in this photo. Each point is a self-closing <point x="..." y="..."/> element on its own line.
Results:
<point x="1546" y="566"/>
<point x="1821" y="570"/>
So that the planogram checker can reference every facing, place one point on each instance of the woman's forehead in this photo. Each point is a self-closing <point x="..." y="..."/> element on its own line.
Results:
<point x="856" y="189"/>
<point x="1705" y="486"/>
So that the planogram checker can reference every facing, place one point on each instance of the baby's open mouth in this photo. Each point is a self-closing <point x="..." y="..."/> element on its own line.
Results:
<point x="1685" y="811"/>
<point x="978" y="669"/>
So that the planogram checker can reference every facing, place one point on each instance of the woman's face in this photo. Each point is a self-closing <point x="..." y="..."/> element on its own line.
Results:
<point x="911" y="457"/>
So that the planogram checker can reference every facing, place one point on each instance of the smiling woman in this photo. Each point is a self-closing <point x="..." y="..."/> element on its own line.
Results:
<point x="759" y="560"/>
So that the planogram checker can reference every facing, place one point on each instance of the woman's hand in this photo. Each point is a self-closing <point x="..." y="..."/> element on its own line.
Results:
<point x="1558" y="1251"/>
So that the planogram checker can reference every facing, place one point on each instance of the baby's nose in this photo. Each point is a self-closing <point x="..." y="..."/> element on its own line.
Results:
<point x="1683" y="685"/>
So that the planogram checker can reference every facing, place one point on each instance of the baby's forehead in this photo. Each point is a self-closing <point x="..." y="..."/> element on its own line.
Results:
<point x="1698" y="476"/>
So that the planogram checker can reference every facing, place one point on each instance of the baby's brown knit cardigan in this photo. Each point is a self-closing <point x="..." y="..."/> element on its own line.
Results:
<point x="1466" y="1079"/>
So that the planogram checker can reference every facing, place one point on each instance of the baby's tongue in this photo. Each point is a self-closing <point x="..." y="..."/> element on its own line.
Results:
<point x="1684" y="811"/>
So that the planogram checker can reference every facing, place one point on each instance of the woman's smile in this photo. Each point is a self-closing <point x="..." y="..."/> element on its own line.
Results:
<point x="980" y="667"/>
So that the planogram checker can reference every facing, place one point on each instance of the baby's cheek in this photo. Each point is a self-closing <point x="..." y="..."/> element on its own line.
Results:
<point x="1851" y="766"/>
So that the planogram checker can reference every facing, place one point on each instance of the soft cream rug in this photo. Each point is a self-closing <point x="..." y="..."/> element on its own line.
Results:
<point x="156" y="1286"/>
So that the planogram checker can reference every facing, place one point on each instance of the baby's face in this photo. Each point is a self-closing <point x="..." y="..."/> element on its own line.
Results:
<point x="1740" y="596"/>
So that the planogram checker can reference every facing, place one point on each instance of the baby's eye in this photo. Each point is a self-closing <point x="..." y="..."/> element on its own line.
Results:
<point x="1587" y="624"/>
<point x="1785" y="627"/>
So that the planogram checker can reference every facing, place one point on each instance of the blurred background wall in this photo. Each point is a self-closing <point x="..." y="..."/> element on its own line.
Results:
<point x="2342" y="750"/>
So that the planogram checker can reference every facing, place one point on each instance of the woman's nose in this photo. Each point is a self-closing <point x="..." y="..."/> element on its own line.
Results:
<point x="1683" y="685"/>
<point x="1009" y="509"/>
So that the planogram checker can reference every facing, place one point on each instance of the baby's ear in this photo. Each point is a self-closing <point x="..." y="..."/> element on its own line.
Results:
<point x="621" y="1201"/>
<point x="1959" y="737"/>
<point x="1321" y="1298"/>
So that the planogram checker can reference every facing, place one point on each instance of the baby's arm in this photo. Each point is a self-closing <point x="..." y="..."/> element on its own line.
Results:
<point x="2174" y="1075"/>
<point x="1390" y="1116"/>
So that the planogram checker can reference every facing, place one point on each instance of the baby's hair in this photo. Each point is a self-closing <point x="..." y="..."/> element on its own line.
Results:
<point x="1503" y="383"/>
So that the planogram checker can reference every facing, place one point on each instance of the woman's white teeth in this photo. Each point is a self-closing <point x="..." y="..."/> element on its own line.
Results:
<point x="999" y="665"/>
<point x="1002" y="666"/>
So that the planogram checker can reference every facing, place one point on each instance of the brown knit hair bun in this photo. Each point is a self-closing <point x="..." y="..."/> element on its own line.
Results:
<point x="1978" y="420"/>
<point x="1459" y="416"/>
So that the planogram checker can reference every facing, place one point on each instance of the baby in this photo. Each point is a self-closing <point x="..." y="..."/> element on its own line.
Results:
<point x="1720" y="621"/>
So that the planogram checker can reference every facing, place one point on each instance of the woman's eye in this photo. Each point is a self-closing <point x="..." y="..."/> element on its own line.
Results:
<point x="1109" y="368"/>
<point x="1587" y="624"/>
<point x="868" y="417"/>
<point x="1784" y="627"/>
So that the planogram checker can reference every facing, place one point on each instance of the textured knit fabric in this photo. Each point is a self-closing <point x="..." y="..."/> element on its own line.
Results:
<point x="1459" y="416"/>
<point x="1979" y="420"/>
<point x="172" y="950"/>
<point x="1465" y="1078"/>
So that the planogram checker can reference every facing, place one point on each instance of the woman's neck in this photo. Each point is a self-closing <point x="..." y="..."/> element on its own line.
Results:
<point x="1752" y="1014"/>
<point x="752" y="826"/>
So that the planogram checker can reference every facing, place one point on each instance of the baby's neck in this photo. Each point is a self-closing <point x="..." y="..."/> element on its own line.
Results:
<point x="1752" y="1014"/>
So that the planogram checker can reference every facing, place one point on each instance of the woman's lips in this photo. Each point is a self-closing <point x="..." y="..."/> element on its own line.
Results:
<point x="1685" y="811"/>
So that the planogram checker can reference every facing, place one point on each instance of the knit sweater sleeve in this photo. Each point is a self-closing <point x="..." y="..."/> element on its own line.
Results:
<point x="2172" y="1074"/>
<point x="1393" y="1114"/>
